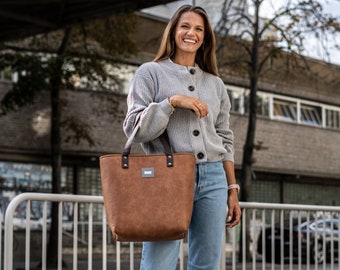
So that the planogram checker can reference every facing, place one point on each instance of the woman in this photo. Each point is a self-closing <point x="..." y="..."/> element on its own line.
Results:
<point x="180" y="91"/>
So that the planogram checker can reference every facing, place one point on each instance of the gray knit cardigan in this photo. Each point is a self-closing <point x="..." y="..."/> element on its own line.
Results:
<point x="209" y="138"/>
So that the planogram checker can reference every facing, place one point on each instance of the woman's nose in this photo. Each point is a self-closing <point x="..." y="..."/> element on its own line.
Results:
<point x="190" y="31"/>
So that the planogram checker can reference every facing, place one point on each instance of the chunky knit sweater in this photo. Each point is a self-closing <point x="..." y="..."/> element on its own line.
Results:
<point x="209" y="138"/>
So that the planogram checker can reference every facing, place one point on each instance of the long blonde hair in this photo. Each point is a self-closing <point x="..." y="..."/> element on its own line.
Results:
<point x="205" y="56"/>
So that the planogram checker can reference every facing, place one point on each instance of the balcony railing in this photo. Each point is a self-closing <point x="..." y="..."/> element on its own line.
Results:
<point x="270" y="236"/>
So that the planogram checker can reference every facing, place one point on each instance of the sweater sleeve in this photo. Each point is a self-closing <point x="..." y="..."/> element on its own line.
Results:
<point x="222" y="126"/>
<point x="151" y="117"/>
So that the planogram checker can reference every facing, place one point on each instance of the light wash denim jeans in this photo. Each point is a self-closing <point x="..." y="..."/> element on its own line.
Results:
<point x="206" y="227"/>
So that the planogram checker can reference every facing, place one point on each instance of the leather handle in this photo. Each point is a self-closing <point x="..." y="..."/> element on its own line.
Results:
<point x="164" y="138"/>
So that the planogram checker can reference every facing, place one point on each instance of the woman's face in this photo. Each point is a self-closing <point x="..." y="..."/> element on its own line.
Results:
<point x="189" y="33"/>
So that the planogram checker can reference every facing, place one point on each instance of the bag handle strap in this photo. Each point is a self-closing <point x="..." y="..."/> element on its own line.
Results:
<point x="164" y="138"/>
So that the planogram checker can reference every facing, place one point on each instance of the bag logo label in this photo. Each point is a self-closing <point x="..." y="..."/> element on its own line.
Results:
<point x="148" y="172"/>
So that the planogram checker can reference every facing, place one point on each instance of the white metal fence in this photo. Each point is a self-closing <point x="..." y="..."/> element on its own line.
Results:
<point x="278" y="236"/>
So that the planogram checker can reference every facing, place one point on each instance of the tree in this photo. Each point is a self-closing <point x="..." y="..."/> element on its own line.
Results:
<point x="86" y="51"/>
<point x="255" y="41"/>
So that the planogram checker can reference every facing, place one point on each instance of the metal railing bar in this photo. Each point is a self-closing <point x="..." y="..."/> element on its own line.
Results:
<point x="324" y="240"/>
<point x="233" y="233"/>
<point x="118" y="255"/>
<point x="308" y="240"/>
<point x="299" y="240"/>
<point x="279" y="206"/>
<point x="244" y="255"/>
<point x="28" y="235"/>
<point x="332" y="244"/>
<point x="339" y="242"/>
<point x="104" y="244"/>
<point x="44" y="237"/>
<point x="1" y="219"/>
<point x="89" y="262"/>
<point x="316" y="249"/>
<point x="60" y="235"/>
<point x="282" y="239"/>
<point x="75" y="235"/>
<point x="132" y="261"/>
<point x="263" y="240"/>
<point x="254" y="242"/>
<point x="290" y="241"/>
<point x="273" y="238"/>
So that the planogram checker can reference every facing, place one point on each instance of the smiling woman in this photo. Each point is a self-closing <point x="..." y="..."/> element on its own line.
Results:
<point x="180" y="93"/>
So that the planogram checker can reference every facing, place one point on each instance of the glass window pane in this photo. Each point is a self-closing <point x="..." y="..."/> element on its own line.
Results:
<point x="285" y="110"/>
<point x="262" y="105"/>
<point x="235" y="100"/>
<point x="310" y="114"/>
<point x="332" y="119"/>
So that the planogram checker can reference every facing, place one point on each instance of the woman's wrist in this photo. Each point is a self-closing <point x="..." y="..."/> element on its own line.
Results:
<point x="171" y="101"/>
<point x="235" y="187"/>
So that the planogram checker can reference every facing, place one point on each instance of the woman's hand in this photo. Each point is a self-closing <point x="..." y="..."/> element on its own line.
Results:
<point x="234" y="210"/>
<point x="194" y="104"/>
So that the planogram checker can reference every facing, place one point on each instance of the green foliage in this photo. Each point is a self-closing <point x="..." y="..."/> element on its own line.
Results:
<point x="32" y="76"/>
<point x="90" y="60"/>
<point x="77" y="130"/>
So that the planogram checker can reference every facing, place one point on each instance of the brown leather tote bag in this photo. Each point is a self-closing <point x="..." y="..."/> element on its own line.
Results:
<point x="148" y="197"/>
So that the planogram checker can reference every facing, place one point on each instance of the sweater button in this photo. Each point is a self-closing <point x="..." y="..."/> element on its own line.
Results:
<point x="196" y="132"/>
<point x="192" y="71"/>
<point x="191" y="88"/>
<point x="200" y="155"/>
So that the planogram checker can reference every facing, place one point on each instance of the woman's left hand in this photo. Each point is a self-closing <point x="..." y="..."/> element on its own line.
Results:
<point x="234" y="210"/>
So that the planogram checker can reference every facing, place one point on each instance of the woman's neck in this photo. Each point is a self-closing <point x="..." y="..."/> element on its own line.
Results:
<point x="184" y="59"/>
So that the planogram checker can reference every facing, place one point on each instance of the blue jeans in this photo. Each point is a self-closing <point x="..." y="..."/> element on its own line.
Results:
<point x="206" y="227"/>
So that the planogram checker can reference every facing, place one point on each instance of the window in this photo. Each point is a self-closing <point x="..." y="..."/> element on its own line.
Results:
<point x="19" y="177"/>
<point x="239" y="99"/>
<point x="262" y="105"/>
<point x="284" y="110"/>
<point x="88" y="181"/>
<point x="332" y="118"/>
<point x="310" y="114"/>
<point x="236" y="100"/>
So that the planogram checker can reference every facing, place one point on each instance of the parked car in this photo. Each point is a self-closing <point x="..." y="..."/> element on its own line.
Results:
<point x="321" y="231"/>
<point x="19" y="223"/>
